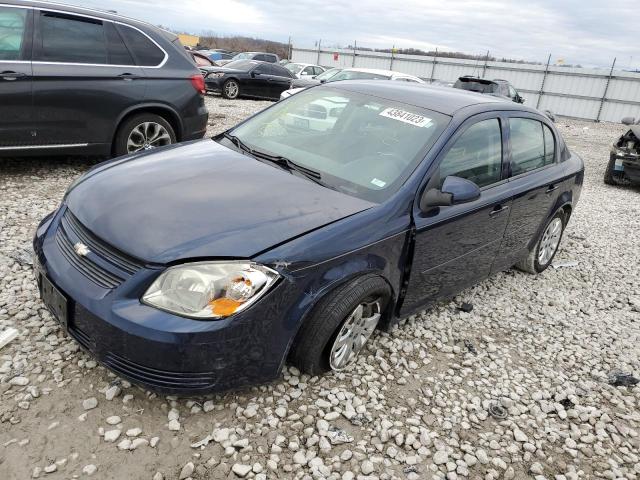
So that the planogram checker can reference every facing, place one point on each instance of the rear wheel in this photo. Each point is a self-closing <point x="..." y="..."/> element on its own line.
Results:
<point x="546" y="247"/>
<point x="144" y="131"/>
<point x="231" y="89"/>
<point x="613" y="177"/>
<point x="340" y="326"/>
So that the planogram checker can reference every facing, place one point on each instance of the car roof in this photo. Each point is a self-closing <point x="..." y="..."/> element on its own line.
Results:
<point x="440" y="99"/>
<point x="74" y="9"/>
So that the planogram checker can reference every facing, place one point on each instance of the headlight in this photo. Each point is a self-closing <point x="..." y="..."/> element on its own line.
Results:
<point x="210" y="289"/>
<point x="215" y="75"/>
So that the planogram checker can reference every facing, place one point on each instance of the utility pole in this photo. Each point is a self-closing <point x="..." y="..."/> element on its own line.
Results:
<point x="290" y="48"/>
<point x="318" y="59"/>
<point x="433" y="65"/>
<point x="393" y="49"/>
<point x="353" y="62"/>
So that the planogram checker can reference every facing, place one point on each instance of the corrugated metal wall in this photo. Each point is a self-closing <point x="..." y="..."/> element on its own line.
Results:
<point x="572" y="92"/>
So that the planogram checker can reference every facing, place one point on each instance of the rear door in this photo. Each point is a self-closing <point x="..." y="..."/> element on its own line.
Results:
<point x="85" y="77"/>
<point x="260" y="82"/>
<point x="16" y="109"/>
<point x="280" y="81"/>
<point x="456" y="245"/>
<point x="536" y="176"/>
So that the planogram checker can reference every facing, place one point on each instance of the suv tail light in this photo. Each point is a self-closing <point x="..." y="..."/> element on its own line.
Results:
<point x="198" y="83"/>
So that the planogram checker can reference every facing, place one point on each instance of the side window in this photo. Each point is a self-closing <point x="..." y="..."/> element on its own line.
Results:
<point x="146" y="53"/>
<point x="118" y="52"/>
<point x="271" y="58"/>
<point x="527" y="145"/>
<point x="260" y="57"/>
<point x="280" y="71"/>
<point x="476" y="155"/>
<point x="70" y="39"/>
<point x="549" y="145"/>
<point x="317" y="70"/>
<point x="12" y="29"/>
<point x="263" y="69"/>
<point x="308" y="71"/>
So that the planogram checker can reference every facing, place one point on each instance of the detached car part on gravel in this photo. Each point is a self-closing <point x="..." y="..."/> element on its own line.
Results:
<point x="298" y="233"/>
<point x="624" y="160"/>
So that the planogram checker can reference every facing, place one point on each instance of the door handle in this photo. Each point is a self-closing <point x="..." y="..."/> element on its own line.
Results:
<point x="551" y="188"/>
<point x="11" y="76"/>
<point x="498" y="209"/>
<point x="128" y="76"/>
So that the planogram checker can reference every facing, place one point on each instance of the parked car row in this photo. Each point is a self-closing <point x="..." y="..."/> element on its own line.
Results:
<point x="74" y="80"/>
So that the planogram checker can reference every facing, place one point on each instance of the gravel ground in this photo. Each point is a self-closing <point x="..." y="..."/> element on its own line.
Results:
<point x="518" y="388"/>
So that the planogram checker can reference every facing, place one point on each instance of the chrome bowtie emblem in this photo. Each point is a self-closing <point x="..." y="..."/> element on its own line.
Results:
<point x="81" y="249"/>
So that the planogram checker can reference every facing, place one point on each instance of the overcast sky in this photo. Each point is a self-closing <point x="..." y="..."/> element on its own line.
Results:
<point x="587" y="32"/>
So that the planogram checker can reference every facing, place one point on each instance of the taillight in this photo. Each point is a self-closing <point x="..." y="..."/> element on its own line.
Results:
<point x="198" y="83"/>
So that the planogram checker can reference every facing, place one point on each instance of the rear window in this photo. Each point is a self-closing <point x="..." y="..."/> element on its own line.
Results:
<point x="146" y="53"/>
<point x="12" y="28"/>
<point x="476" y="86"/>
<point x="70" y="39"/>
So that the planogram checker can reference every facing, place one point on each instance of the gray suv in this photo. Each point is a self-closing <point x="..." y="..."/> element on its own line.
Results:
<point x="74" y="80"/>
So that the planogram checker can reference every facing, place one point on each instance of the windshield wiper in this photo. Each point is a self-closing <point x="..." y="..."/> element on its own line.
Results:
<point x="285" y="162"/>
<point x="238" y="143"/>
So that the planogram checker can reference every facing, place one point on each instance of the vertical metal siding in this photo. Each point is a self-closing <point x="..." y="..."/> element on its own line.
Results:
<point x="574" y="92"/>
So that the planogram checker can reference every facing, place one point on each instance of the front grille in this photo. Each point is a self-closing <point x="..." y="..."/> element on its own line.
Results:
<point x="118" y="259"/>
<point x="159" y="378"/>
<point x="89" y="269"/>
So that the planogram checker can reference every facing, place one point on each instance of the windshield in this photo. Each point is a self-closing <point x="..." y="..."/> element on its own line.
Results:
<point x="244" y="65"/>
<point x="328" y="74"/>
<point x="243" y="56"/>
<point x="361" y="145"/>
<point x="352" y="75"/>
<point x="294" y="67"/>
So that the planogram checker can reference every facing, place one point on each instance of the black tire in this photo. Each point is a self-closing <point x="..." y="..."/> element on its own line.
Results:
<point x="531" y="264"/>
<point x="311" y="347"/>
<point x="611" y="177"/>
<point x="226" y="89"/>
<point x="127" y="127"/>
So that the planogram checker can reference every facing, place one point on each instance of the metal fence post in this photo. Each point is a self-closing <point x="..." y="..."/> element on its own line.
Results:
<point x="392" y="56"/>
<point x="486" y="60"/>
<point x="544" y="79"/>
<point x="290" y="48"/>
<point x="318" y="59"/>
<point x="433" y="65"/>
<point x="606" y="89"/>
<point x="353" y="63"/>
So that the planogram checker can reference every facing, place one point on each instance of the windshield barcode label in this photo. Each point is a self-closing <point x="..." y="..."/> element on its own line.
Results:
<point x="406" y="117"/>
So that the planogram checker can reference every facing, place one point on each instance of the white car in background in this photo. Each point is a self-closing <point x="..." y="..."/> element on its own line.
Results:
<point x="350" y="74"/>
<point x="304" y="70"/>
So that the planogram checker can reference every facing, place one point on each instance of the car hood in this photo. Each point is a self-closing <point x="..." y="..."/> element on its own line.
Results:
<point x="304" y="82"/>
<point x="201" y="200"/>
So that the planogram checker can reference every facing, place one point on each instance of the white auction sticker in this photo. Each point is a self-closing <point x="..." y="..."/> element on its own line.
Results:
<point x="407" y="117"/>
<point x="378" y="183"/>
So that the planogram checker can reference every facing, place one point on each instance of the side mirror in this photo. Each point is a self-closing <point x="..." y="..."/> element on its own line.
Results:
<point x="628" y="120"/>
<point x="455" y="190"/>
<point x="255" y="74"/>
<point x="322" y="81"/>
<point x="520" y="99"/>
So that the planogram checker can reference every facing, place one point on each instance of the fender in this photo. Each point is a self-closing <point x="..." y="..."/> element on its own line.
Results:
<point x="149" y="105"/>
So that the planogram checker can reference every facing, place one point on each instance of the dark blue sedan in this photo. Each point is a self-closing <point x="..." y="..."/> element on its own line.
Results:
<point x="295" y="235"/>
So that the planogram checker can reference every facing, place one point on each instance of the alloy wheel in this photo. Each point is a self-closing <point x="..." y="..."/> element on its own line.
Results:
<point x="146" y="136"/>
<point x="353" y="335"/>
<point x="550" y="241"/>
<point x="231" y="89"/>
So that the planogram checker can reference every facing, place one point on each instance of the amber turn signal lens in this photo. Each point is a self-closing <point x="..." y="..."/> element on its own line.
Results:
<point x="224" y="306"/>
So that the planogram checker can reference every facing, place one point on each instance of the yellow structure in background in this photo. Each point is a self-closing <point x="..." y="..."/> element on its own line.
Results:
<point x="188" y="40"/>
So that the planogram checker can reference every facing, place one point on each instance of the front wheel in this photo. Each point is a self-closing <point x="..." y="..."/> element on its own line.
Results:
<point x="231" y="89"/>
<point x="546" y="247"/>
<point x="340" y="326"/>
<point x="145" y="131"/>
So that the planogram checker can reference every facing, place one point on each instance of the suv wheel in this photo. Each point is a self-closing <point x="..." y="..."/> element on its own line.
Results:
<point x="145" y="131"/>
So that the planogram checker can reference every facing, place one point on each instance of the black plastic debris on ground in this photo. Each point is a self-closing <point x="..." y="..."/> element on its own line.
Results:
<point x="567" y="404"/>
<point x="470" y="347"/>
<point x="497" y="411"/>
<point x="622" y="379"/>
<point x="465" y="307"/>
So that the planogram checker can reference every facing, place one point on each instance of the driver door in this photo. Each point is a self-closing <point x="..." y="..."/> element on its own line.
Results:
<point x="456" y="245"/>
